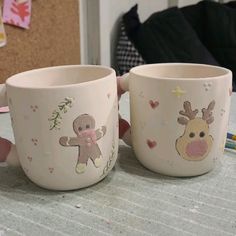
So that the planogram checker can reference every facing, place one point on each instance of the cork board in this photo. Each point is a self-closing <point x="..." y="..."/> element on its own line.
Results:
<point x="52" y="39"/>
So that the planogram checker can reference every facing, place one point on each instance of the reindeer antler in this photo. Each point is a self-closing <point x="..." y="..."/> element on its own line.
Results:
<point x="187" y="112"/>
<point x="207" y="113"/>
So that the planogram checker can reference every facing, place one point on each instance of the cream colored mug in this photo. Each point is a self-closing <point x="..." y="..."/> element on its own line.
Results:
<point x="179" y="116"/>
<point x="64" y="121"/>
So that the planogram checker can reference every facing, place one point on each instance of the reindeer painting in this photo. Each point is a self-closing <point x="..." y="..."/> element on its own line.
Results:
<point x="195" y="143"/>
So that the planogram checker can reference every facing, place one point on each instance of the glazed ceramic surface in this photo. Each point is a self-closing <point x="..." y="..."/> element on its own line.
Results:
<point x="65" y="124"/>
<point x="179" y="116"/>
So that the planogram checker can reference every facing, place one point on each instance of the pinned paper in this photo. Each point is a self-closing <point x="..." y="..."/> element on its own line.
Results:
<point x="3" y="38"/>
<point x="17" y="12"/>
<point x="21" y="1"/>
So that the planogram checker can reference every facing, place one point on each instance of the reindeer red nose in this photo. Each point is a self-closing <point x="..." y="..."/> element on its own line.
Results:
<point x="196" y="148"/>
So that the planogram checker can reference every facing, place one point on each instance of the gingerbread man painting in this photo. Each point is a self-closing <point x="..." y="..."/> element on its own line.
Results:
<point x="86" y="141"/>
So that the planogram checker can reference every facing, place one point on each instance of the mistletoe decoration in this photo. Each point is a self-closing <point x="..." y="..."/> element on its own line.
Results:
<point x="56" y="118"/>
<point x="109" y="162"/>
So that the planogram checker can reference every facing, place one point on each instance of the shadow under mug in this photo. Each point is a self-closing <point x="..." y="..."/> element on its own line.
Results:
<point x="179" y="116"/>
<point x="64" y="121"/>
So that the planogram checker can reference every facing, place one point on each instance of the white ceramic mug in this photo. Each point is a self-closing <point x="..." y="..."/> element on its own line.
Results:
<point x="65" y="124"/>
<point x="179" y="116"/>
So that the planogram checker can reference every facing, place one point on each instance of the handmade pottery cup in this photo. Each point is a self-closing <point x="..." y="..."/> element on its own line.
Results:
<point x="179" y="116"/>
<point x="64" y="121"/>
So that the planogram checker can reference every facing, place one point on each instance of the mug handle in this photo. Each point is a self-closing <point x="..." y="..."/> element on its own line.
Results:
<point x="124" y="126"/>
<point x="8" y="151"/>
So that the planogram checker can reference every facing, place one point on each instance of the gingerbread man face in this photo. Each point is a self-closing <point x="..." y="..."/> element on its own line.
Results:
<point x="82" y="123"/>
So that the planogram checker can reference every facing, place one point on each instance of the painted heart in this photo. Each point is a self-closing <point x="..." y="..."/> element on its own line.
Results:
<point x="29" y="158"/>
<point x="151" y="143"/>
<point x="153" y="104"/>
<point x="51" y="169"/>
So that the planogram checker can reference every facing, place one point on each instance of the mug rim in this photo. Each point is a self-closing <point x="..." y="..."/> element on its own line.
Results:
<point x="11" y="80"/>
<point x="137" y="71"/>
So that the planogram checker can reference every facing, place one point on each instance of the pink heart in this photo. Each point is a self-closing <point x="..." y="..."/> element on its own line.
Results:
<point x="153" y="104"/>
<point x="51" y="169"/>
<point x="29" y="158"/>
<point x="151" y="143"/>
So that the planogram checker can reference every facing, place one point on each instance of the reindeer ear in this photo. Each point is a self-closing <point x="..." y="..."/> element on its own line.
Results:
<point x="182" y="121"/>
<point x="211" y="105"/>
<point x="207" y="113"/>
<point x="210" y="120"/>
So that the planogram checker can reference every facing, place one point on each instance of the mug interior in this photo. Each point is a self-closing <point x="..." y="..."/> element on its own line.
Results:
<point x="59" y="76"/>
<point x="179" y="71"/>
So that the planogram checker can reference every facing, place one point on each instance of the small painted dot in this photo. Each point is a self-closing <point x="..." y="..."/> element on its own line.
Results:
<point x="35" y="141"/>
<point x="34" y="108"/>
<point x="207" y="85"/>
<point x="222" y="112"/>
<point x="51" y="169"/>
